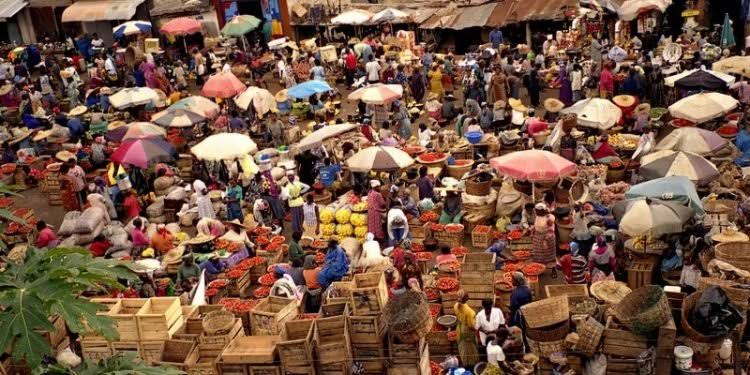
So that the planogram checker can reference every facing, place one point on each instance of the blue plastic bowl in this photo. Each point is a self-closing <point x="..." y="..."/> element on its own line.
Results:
<point x="474" y="137"/>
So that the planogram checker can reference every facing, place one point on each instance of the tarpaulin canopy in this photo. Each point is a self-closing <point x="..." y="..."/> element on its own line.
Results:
<point x="9" y="8"/>
<point x="100" y="10"/>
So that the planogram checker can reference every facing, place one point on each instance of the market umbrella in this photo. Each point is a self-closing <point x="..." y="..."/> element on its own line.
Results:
<point x="677" y="163"/>
<point x="379" y="158"/>
<point x="240" y="25"/>
<point x="131" y="28"/>
<point x="533" y="165"/>
<point x="315" y="138"/>
<point x="703" y="107"/>
<point x="178" y="117"/>
<point x="696" y="140"/>
<point x="638" y="217"/>
<point x="630" y="9"/>
<point x="261" y="99"/>
<point x="198" y="103"/>
<point x="733" y="65"/>
<point x="727" y="33"/>
<point x="181" y="26"/>
<point x="673" y="188"/>
<point x="352" y="17"/>
<point x="142" y="152"/>
<point x="136" y="130"/>
<point x="378" y="93"/>
<point x="308" y="88"/>
<point x="132" y="97"/>
<point x="222" y="85"/>
<point x="224" y="146"/>
<point x="697" y="79"/>
<point x="390" y="15"/>
<point x="595" y="113"/>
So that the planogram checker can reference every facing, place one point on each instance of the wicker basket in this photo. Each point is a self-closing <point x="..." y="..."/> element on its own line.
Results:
<point x="458" y="171"/>
<point x="218" y="321"/>
<point x="544" y="349"/>
<point x="546" y="312"/>
<point x="722" y="207"/>
<point x="584" y="306"/>
<point x="734" y="253"/>
<point x="479" y="188"/>
<point x="420" y="324"/>
<point x="609" y="291"/>
<point x="547" y="334"/>
<point x="589" y="335"/>
<point x="644" y="310"/>
<point x="687" y="307"/>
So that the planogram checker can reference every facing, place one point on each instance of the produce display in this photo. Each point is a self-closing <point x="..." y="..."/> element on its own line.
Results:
<point x="429" y="217"/>
<point x="454" y="228"/>
<point x="262" y="292"/>
<point x="446" y="284"/>
<point x="235" y="273"/>
<point x="237" y="305"/>
<point x="459" y="251"/>
<point x="342" y="215"/>
<point x="423" y="256"/>
<point x="267" y="279"/>
<point x="533" y="269"/>
<point x="327" y="215"/>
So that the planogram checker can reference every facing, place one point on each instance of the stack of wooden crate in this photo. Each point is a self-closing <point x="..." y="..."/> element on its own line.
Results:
<point x="185" y="164"/>
<point x="332" y="342"/>
<point x="250" y="355"/>
<point x="296" y="348"/>
<point x="408" y="358"/>
<point x="366" y="334"/>
<point x="477" y="278"/>
<point x="623" y="347"/>
<point x="268" y="316"/>
<point x="158" y="320"/>
<point x="369" y="294"/>
<point x="52" y="185"/>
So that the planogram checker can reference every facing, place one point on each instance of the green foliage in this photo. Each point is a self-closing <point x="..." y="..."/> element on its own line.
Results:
<point x="49" y="283"/>
<point x="125" y="364"/>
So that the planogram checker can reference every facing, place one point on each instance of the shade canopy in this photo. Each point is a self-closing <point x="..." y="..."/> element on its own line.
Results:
<point x="733" y="65"/>
<point x="136" y="130"/>
<point x="638" y="217"/>
<point x="703" y="107"/>
<point x="199" y="104"/>
<point x="132" y="97"/>
<point x="144" y="152"/>
<point x="630" y="9"/>
<point x="308" y="88"/>
<point x="533" y="165"/>
<point x="181" y="26"/>
<point x="390" y="15"/>
<point x="131" y="28"/>
<point x="222" y="85"/>
<point x="352" y="17"/>
<point x="379" y="158"/>
<point x="700" y="79"/>
<point x="595" y="113"/>
<point x="696" y="140"/>
<point x="100" y="10"/>
<point x="673" y="188"/>
<point x="240" y="25"/>
<point x="178" y="117"/>
<point x="317" y="137"/>
<point x="261" y="99"/>
<point x="224" y="146"/>
<point x="378" y="93"/>
<point x="677" y="163"/>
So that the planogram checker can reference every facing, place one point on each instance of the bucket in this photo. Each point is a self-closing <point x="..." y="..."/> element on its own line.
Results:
<point x="683" y="357"/>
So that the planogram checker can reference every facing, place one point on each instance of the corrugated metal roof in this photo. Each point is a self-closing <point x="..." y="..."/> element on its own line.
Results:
<point x="9" y="8"/>
<point x="172" y="7"/>
<point x="515" y="11"/>
<point x="100" y="10"/>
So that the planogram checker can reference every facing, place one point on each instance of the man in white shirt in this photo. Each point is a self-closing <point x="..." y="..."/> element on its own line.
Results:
<point x="488" y="320"/>
<point x="373" y="70"/>
<point x="96" y="41"/>
<point x="495" y="354"/>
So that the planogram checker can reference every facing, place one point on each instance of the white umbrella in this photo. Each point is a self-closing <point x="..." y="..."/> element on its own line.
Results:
<point x="390" y="15"/>
<point x="638" y="217"/>
<point x="132" y="97"/>
<point x="379" y="158"/>
<point x="595" y="113"/>
<point x="315" y="138"/>
<point x="734" y="65"/>
<point x="378" y="93"/>
<point x="630" y="9"/>
<point x="224" y="146"/>
<point x="703" y="107"/>
<point x="131" y="28"/>
<point x="670" y="81"/>
<point x="666" y="163"/>
<point x="261" y="99"/>
<point x="352" y="17"/>
<point x="178" y="117"/>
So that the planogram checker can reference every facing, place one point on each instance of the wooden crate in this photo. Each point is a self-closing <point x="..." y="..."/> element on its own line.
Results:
<point x="334" y="309"/>
<point x="158" y="317"/>
<point x="332" y="340"/>
<point x="342" y="291"/>
<point x="231" y="368"/>
<point x="123" y="347"/>
<point x="95" y="350"/>
<point x="293" y="370"/>
<point x="365" y="329"/>
<point x="297" y="345"/>
<point x="59" y="332"/>
<point x="123" y="312"/>
<point x="571" y="290"/>
<point x="405" y="353"/>
<point x="151" y="350"/>
<point x="640" y="272"/>
<point x="268" y="316"/>
<point x="251" y="350"/>
<point x="418" y="230"/>
<point x="205" y="363"/>
<point x="448" y="300"/>
<point x="222" y="340"/>
<point x="177" y="353"/>
<point x="479" y="262"/>
<point x="619" y="365"/>
<point x="370" y="293"/>
<point x="189" y="311"/>
<point x="368" y="351"/>
<point x="618" y="341"/>
<point x="419" y="365"/>
<point x="480" y="240"/>
<point x="263" y="370"/>
<point x="343" y="367"/>
<point x="243" y="283"/>
<point x="373" y="367"/>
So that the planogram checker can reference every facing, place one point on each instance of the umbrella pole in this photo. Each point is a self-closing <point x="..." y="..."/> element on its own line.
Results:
<point x="184" y="43"/>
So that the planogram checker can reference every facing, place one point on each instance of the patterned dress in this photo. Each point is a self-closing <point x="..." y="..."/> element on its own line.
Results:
<point x="543" y="239"/>
<point x="375" y="208"/>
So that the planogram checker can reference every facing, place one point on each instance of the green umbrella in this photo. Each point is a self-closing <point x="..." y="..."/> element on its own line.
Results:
<point x="240" y="25"/>
<point x="727" y="33"/>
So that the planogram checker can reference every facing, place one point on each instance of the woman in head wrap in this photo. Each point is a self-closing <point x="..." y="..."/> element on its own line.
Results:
<point x="573" y="265"/>
<point x="513" y="346"/>
<point x="371" y="254"/>
<point x="375" y="209"/>
<point x="410" y="269"/>
<point x="163" y="240"/>
<point x="543" y="235"/>
<point x="520" y="296"/>
<point x="336" y="264"/>
<point x="465" y="319"/>
<point x="203" y="202"/>
<point x="602" y="260"/>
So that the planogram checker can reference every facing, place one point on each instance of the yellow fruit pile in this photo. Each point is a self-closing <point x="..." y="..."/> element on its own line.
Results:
<point x="326" y="215"/>
<point x="328" y="229"/>
<point x="358" y="219"/>
<point x="342" y="215"/>
<point x="360" y="207"/>
<point x="344" y="230"/>
<point x="360" y="232"/>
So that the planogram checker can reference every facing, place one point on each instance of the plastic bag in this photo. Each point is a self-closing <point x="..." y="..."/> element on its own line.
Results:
<point x="713" y="314"/>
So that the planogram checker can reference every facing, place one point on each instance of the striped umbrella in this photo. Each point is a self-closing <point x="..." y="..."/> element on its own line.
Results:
<point x="196" y="103"/>
<point x="378" y="94"/>
<point x="697" y="140"/>
<point x="178" y="117"/>
<point x="132" y="97"/>
<point x="638" y="217"/>
<point x="222" y="85"/>
<point x="181" y="26"/>
<point x="135" y="130"/>
<point x="240" y="25"/>
<point x="261" y="99"/>
<point x="678" y="163"/>
<point x="379" y="158"/>
<point x="131" y="28"/>
<point x="142" y="152"/>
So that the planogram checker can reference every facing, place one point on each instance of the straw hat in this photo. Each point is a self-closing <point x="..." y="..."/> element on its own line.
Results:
<point x="105" y="91"/>
<point x="610" y="291"/>
<point x="77" y="111"/>
<point x="643" y="109"/>
<point x="115" y="124"/>
<point x="65" y="155"/>
<point x="282" y="96"/>
<point x="236" y="222"/>
<point x="517" y="105"/>
<point x="553" y="105"/>
<point x="174" y="256"/>
<point x="730" y="235"/>
<point x="200" y="239"/>
<point x="500" y="104"/>
<point x="44" y="134"/>
<point x="624" y="100"/>
<point x="5" y="89"/>
<point x="21" y="135"/>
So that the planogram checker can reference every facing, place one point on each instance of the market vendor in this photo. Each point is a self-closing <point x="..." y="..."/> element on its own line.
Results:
<point x="293" y="192"/>
<point x="295" y="250"/>
<point x="335" y="266"/>
<point x="445" y="256"/>
<point x="397" y="223"/>
<point x="213" y="267"/>
<point x="233" y="197"/>
<point x="573" y="265"/>
<point x="452" y="206"/>
<point x="520" y="296"/>
<point x="466" y="320"/>
<point x="237" y="234"/>
<point x="375" y="209"/>
<point x="188" y="273"/>
<point x="543" y="235"/>
<point x="203" y="201"/>
<point x="163" y="240"/>
<point x="45" y="237"/>
<point x="603" y="151"/>
<point x="602" y="260"/>
<point x="210" y="227"/>
<point x="488" y="321"/>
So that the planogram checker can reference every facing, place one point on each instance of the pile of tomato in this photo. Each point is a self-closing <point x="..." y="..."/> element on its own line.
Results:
<point x="236" y="305"/>
<point x="261" y="292"/>
<point x="429" y="217"/>
<point x="446" y="284"/>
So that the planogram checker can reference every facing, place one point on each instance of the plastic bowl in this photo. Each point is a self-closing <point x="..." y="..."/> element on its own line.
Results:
<point x="474" y="137"/>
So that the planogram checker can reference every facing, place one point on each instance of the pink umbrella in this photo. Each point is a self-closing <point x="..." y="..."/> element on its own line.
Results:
<point x="223" y="85"/>
<point x="181" y="26"/>
<point x="533" y="165"/>
<point x="142" y="152"/>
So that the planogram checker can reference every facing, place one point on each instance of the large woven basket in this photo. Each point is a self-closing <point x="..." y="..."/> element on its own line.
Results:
<point x="547" y="334"/>
<point x="687" y="308"/>
<point x="544" y="349"/>
<point x="218" y="321"/>
<point x="478" y="188"/>
<point x="644" y="310"/>
<point x="420" y="322"/>
<point x="590" y="334"/>
<point x="609" y="291"/>
<point x="458" y="171"/>
<point x="546" y="312"/>
<point x="734" y="253"/>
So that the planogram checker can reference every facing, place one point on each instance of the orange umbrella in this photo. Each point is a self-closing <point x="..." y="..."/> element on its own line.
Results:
<point x="223" y="85"/>
<point x="181" y="26"/>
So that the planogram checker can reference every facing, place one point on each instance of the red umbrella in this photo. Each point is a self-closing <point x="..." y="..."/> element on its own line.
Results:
<point x="181" y="26"/>
<point x="533" y="165"/>
<point x="223" y="85"/>
<point x="142" y="152"/>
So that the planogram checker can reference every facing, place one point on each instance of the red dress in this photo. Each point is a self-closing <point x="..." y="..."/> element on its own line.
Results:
<point x="68" y="194"/>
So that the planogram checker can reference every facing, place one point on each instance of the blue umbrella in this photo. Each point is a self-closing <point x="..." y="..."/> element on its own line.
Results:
<point x="131" y="28"/>
<point x="727" y="33"/>
<point x="307" y="89"/>
<point x="675" y="188"/>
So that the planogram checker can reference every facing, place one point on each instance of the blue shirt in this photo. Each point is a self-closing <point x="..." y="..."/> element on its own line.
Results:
<point x="496" y="38"/>
<point x="327" y="174"/>
<point x="75" y="126"/>
<point x="318" y="73"/>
